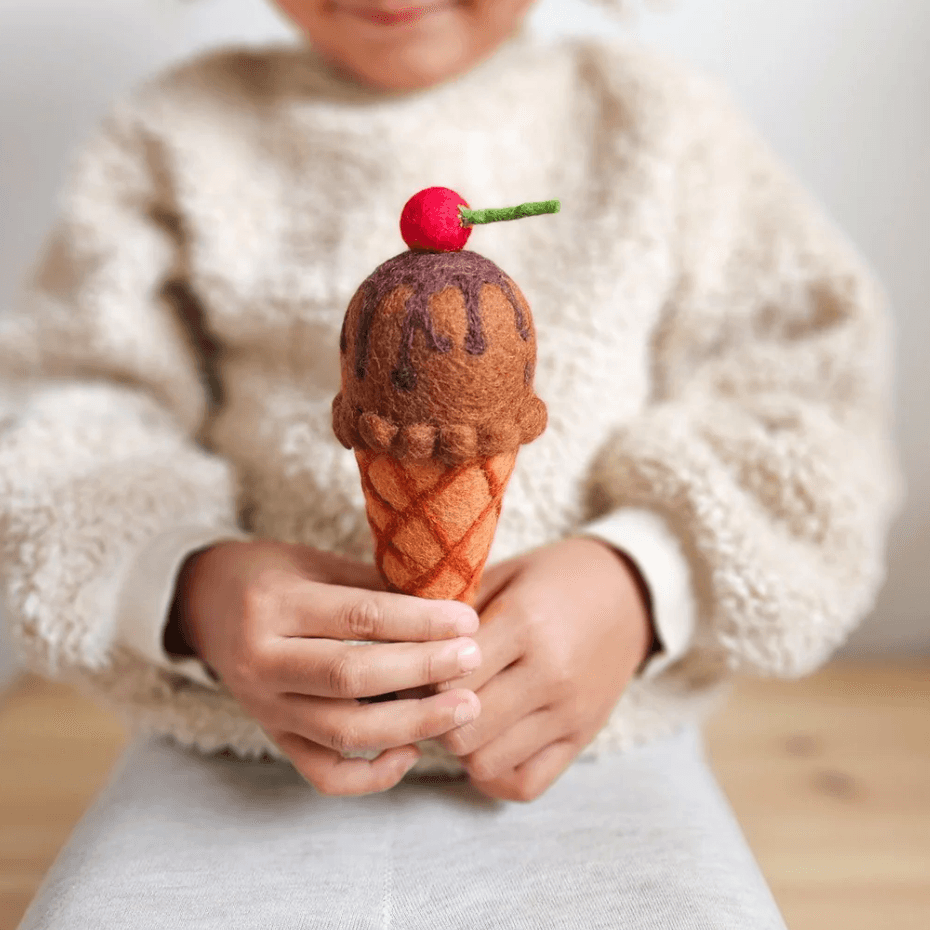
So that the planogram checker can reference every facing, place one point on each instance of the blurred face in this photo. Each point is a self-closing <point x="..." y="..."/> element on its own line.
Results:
<point x="405" y="44"/>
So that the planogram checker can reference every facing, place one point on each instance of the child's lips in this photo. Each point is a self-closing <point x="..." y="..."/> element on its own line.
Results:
<point x="404" y="16"/>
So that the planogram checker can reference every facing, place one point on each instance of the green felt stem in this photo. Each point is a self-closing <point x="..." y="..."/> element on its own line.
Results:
<point x="499" y="215"/>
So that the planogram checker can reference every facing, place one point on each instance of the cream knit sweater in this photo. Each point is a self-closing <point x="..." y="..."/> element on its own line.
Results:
<point x="713" y="356"/>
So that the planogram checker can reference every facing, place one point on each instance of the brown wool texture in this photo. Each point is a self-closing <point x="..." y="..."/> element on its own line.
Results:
<point x="438" y="356"/>
<point x="438" y="353"/>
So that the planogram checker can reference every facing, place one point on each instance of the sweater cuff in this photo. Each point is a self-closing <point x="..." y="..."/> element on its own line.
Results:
<point x="147" y="593"/>
<point x="646" y="538"/>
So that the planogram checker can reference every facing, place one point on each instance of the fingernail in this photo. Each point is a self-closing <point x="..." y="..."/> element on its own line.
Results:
<point x="469" y="658"/>
<point x="465" y="713"/>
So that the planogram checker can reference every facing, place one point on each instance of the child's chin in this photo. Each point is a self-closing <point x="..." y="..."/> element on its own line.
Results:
<point x="410" y="72"/>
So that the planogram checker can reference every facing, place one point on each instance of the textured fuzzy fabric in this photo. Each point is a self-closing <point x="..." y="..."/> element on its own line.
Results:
<point x="709" y="348"/>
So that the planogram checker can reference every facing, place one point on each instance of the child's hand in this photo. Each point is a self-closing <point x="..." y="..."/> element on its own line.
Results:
<point x="563" y="629"/>
<point x="268" y="617"/>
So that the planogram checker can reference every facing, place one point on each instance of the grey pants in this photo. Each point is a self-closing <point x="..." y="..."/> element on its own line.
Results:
<point x="642" y="840"/>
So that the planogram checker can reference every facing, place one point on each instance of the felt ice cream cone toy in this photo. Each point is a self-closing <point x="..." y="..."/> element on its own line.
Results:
<point x="438" y="352"/>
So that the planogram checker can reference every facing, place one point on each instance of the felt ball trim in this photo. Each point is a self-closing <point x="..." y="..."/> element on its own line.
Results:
<point x="376" y="432"/>
<point x="431" y="221"/>
<point x="453" y="443"/>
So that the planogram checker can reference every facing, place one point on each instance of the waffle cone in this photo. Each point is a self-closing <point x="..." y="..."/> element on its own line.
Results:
<point x="433" y="523"/>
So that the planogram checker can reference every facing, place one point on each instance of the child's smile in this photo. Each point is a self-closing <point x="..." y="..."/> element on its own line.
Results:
<point x="404" y="45"/>
<point x="386" y="16"/>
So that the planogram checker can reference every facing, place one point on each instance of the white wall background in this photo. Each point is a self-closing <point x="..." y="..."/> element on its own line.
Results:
<point x="841" y="88"/>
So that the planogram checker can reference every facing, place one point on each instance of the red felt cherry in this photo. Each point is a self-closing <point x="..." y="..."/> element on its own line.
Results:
<point x="431" y="222"/>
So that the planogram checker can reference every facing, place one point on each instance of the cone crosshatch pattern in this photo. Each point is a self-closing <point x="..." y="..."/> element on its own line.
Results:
<point x="433" y="523"/>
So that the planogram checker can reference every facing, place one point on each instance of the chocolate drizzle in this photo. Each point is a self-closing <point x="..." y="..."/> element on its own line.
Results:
<point x="427" y="273"/>
<point x="404" y="377"/>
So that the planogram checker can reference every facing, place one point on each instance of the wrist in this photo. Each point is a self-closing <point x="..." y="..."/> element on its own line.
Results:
<point x="641" y="596"/>
<point x="179" y="637"/>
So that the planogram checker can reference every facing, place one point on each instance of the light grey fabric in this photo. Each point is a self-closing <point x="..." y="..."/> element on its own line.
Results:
<point x="642" y="840"/>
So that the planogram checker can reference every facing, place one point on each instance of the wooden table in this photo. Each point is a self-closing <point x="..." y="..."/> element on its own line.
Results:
<point x="829" y="776"/>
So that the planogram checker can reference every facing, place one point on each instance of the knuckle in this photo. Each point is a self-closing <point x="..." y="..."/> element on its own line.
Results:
<point x="321" y="774"/>
<point x="253" y="602"/>
<point x="325" y="778"/>
<point x="557" y="672"/>
<point x="269" y="712"/>
<point x="328" y="784"/>
<point x="501" y="783"/>
<point x="432" y="665"/>
<point x="346" y="738"/>
<point x="572" y="708"/>
<point x="244" y="674"/>
<point x="364" y="618"/>
<point x="260" y="594"/>
<point x="307" y="772"/>
<point x="429" y="726"/>
<point x="423" y="729"/>
<point x="532" y="623"/>
<point x="423" y="726"/>
<point x="302" y="761"/>
<point x="525" y="792"/>
<point x="483" y="769"/>
<point x="564" y="691"/>
<point x="347" y="675"/>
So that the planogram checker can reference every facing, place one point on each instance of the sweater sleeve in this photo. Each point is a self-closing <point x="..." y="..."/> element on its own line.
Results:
<point x="765" y="445"/>
<point x="105" y="486"/>
<point x="646" y="539"/>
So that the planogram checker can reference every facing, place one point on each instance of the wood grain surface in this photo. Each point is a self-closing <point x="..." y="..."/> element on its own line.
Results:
<point x="829" y="777"/>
